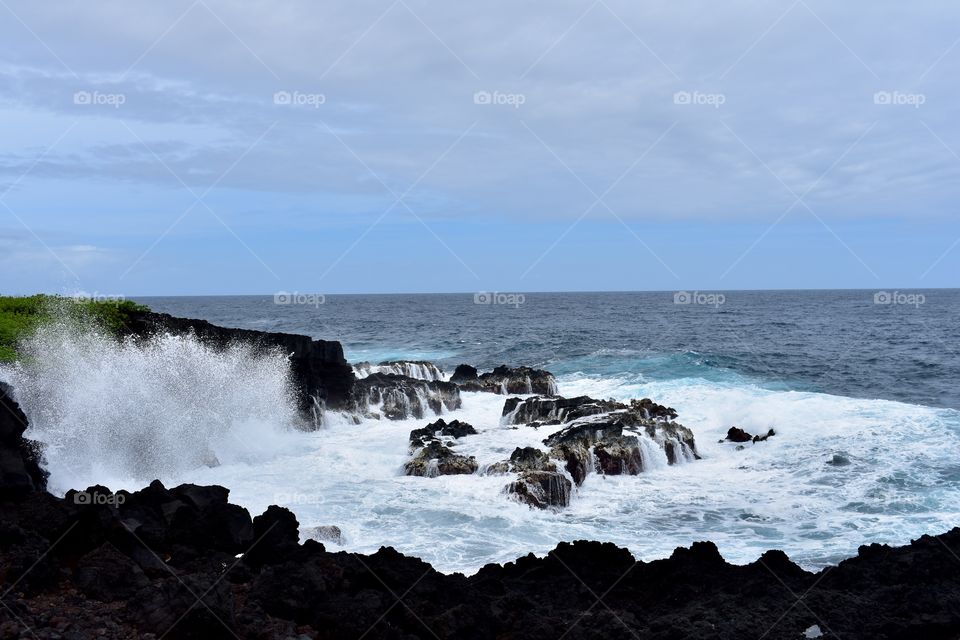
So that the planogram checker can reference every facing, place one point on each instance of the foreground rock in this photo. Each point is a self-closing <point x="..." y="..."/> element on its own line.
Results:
<point x="20" y="470"/>
<point x="505" y="380"/>
<point x="78" y="571"/>
<point x="398" y="397"/>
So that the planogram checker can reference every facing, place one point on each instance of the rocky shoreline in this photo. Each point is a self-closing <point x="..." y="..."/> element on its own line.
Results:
<point x="183" y="562"/>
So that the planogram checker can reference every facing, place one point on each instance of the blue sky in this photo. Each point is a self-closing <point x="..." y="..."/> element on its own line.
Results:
<point x="208" y="147"/>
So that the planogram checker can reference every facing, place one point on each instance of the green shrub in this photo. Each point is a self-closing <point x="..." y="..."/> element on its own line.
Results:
<point x="21" y="315"/>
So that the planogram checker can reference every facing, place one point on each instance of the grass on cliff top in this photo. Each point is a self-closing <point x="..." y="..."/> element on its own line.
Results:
<point x="21" y="315"/>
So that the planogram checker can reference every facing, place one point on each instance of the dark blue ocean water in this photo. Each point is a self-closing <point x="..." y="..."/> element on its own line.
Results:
<point x="899" y="346"/>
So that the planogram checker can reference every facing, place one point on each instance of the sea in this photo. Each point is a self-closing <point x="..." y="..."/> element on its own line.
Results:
<point x="861" y="387"/>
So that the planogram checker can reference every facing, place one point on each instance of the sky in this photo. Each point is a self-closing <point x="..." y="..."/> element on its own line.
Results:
<point x="199" y="147"/>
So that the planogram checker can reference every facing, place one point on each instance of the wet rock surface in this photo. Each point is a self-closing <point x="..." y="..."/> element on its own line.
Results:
<point x="397" y="397"/>
<point x="454" y="429"/>
<point x="608" y="437"/>
<point x="437" y="459"/>
<point x="539" y="483"/>
<point x="505" y="380"/>
<point x="418" y="369"/>
<point x="736" y="434"/>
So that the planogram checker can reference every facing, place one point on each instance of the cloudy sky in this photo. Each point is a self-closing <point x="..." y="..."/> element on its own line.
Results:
<point x="214" y="147"/>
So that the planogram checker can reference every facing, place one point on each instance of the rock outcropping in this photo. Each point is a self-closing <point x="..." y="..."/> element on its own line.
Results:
<point x="397" y="397"/>
<point x="419" y="369"/>
<point x="505" y="380"/>
<point x="605" y="436"/>
<point x="433" y="455"/>
<point x="539" y="483"/>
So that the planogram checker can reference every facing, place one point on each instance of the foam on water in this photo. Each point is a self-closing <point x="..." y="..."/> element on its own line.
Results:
<point x="840" y="472"/>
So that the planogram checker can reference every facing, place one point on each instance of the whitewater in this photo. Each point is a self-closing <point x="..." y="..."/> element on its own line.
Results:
<point x="840" y="472"/>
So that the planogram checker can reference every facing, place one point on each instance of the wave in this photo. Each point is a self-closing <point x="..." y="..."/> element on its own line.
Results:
<point x="130" y="412"/>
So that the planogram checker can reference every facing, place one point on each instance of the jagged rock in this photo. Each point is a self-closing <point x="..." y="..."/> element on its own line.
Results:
<point x="463" y="373"/>
<point x="554" y="409"/>
<point x="541" y="489"/>
<point x="436" y="459"/>
<point x="612" y="446"/>
<point x="454" y="429"/>
<point x="539" y="483"/>
<point x="505" y="380"/>
<point x="736" y="434"/>
<point x="417" y="369"/>
<point x="530" y="459"/>
<point x="399" y="397"/>
<point x="558" y="410"/>
<point x="325" y="533"/>
<point x="20" y="471"/>
<point x="108" y="575"/>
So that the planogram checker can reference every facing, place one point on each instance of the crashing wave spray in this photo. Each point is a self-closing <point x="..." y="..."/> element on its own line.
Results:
<point x="121" y="411"/>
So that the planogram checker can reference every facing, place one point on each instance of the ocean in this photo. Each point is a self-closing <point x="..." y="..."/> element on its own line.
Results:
<point x="861" y="387"/>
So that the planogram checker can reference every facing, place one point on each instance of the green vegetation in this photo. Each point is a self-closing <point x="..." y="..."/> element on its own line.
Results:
<point x="19" y="316"/>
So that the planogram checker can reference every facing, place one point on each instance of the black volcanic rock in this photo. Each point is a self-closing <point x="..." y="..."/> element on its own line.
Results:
<point x="736" y="434"/>
<point x="463" y="373"/>
<point x="20" y="471"/>
<point x="436" y="459"/>
<point x="398" y="397"/>
<point x="281" y="589"/>
<point x="441" y="428"/>
<point x="612" y="446"/>
<point x="506" y="380"/>
<point x="539" y="484"/>
<point x="555" y="409"/>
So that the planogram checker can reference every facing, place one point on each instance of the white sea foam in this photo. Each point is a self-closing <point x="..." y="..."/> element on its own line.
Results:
<point x="126" y="412"/>
<point x="121" y="414"/>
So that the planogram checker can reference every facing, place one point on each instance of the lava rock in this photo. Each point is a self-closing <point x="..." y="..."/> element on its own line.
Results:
<point x="399" y="397"/>
<point x="454" y="429"/>
<point x="20" y="471"/>
<point x="436" y="459"/>
<point x="505" y="380"/>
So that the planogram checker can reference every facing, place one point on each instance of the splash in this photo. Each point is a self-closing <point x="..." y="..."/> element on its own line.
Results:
<point x="122" y="411"/>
